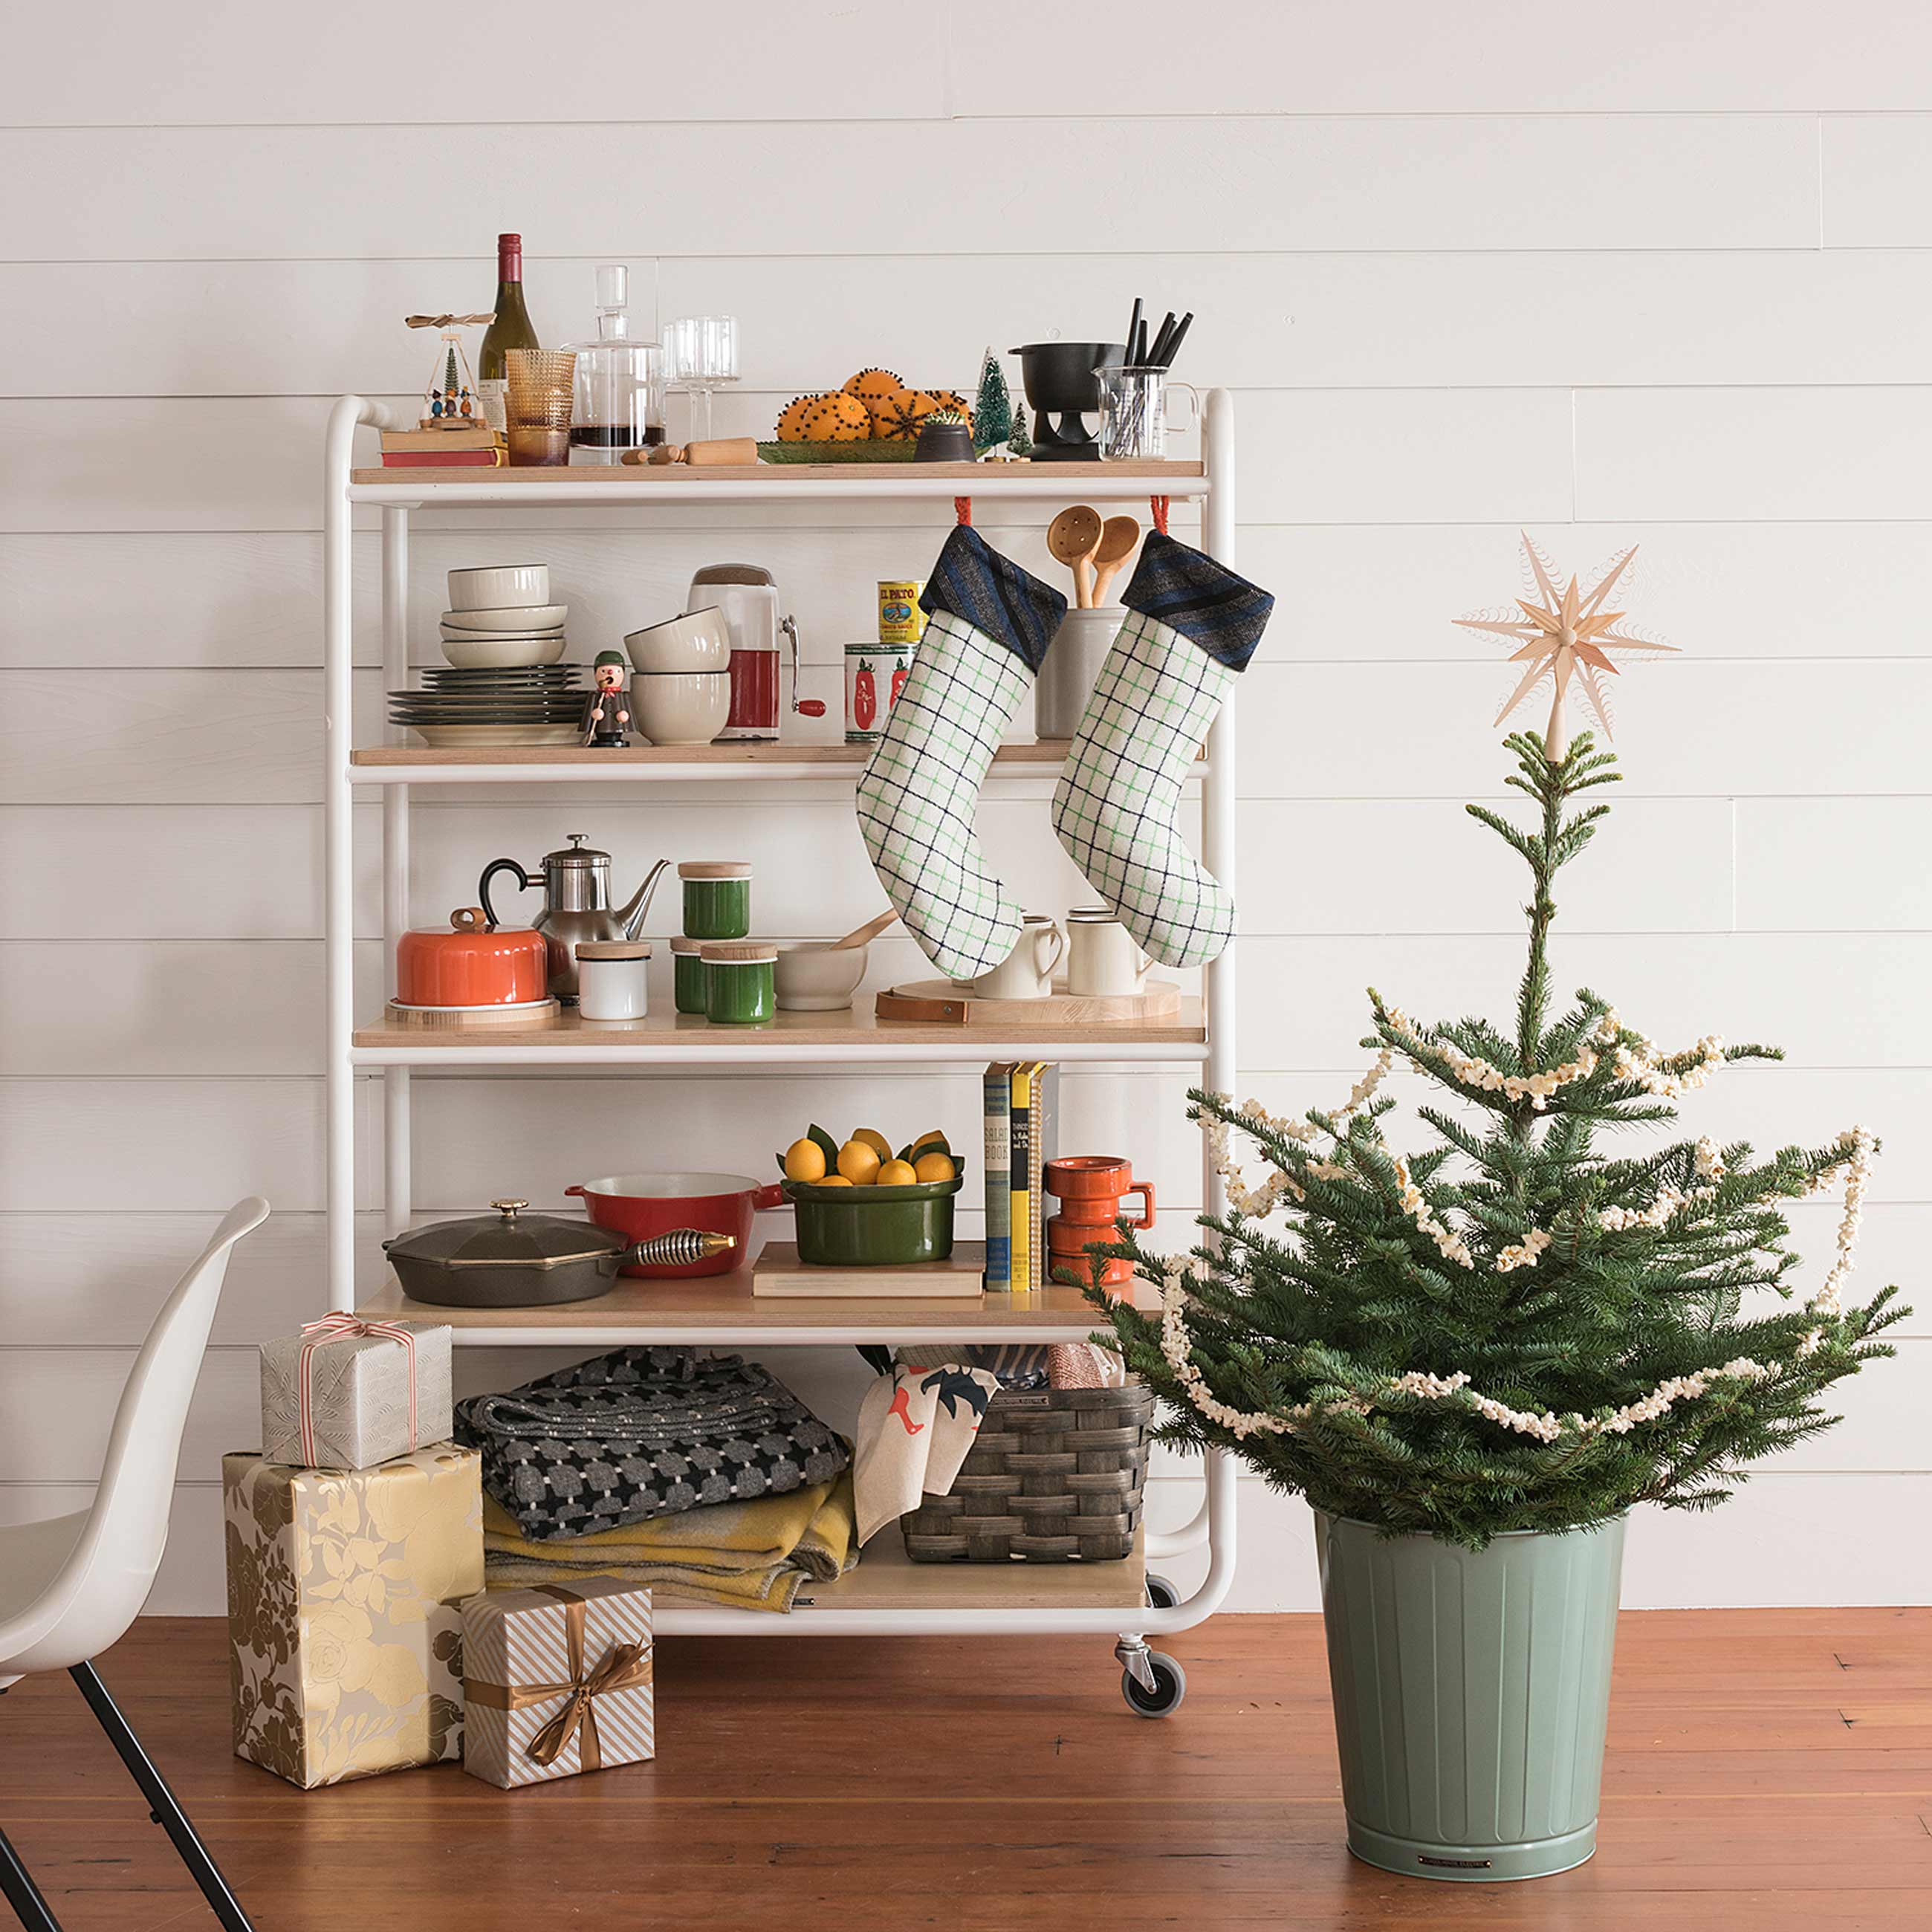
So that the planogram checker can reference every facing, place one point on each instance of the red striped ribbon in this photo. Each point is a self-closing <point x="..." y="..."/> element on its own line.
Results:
<point x="342" y="1327"/>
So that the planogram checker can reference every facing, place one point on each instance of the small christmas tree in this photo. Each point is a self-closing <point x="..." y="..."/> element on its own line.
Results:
<point x="1515" y="1329"/>
<point x="1019" y="443"/>
<point x="992" y="407"/>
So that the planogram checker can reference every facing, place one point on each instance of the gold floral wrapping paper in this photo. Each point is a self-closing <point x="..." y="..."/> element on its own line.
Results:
<point x="344" y="1617"/>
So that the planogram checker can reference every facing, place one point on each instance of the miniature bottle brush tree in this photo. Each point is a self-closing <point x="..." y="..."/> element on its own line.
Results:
<point x="1526" y="1326"/>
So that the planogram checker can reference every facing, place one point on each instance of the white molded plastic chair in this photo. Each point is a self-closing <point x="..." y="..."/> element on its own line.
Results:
<point x="70" y="1586"/>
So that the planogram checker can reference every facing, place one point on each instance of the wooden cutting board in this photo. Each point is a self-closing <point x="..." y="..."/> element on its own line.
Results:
<point x="939" y="1002"/>
<point x="778" y="1272"/>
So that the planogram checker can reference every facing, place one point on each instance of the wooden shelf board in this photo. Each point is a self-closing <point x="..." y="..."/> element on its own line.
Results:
<point x="1046" y="754"/>
<point x="887" y="1579"/>
<point x="715" y="1307"/>
<point x="859" y="1029"/>
<point x="987" y="476"/>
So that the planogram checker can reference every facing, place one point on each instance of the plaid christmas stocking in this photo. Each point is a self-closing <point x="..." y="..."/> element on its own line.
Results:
<point x="991" y="622"/>
<point x="1192" y="627"/>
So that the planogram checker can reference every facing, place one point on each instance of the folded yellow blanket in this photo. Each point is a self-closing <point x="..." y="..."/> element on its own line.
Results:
<point x="753" y="1556"/>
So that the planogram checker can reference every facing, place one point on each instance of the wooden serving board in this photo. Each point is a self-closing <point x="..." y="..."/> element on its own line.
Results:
<point x="778" y="1272"/>
<point x="940" y="1003"/>
<point x="443" y="1019"/>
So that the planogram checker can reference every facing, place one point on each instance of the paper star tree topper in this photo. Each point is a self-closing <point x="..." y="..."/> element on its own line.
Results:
<point x="1566" y="634"/>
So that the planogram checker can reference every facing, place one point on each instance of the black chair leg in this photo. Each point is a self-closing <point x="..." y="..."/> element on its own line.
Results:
<point x="22" y="1893"/>
<point x="163" y="1805"/>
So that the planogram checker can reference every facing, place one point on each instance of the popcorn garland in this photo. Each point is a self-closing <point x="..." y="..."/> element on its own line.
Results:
<point x="1640" y="1064"/>
<point x="1856" y="1145"/>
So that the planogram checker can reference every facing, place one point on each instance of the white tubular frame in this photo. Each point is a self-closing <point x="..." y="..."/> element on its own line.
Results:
<point x="1213" y="1524"/>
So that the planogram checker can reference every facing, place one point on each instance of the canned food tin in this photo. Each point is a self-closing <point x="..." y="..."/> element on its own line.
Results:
<point x="875" y="674"/>
<point x="902" y="621"/>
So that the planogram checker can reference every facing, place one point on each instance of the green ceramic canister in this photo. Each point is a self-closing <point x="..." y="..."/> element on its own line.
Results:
<point x="1471" y="1691"/>
<point x="740" y="984"/>
<point x="717" y="899"/>
<point x="687" y="957"/>
<point x="874" y="1227"/>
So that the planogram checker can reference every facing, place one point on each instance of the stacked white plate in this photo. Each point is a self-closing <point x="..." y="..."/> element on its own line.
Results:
<point x="501" y="617"/>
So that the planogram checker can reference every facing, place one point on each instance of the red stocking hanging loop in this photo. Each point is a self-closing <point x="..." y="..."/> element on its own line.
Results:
<point x="1157" y="507"/>
<point x="962" y="509"/>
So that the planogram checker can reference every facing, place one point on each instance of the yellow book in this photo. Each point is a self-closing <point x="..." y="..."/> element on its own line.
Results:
<point x="1025" y="1078"/>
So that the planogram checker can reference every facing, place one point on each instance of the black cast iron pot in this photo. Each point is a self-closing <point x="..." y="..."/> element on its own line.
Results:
<point x="512" y="1260"/>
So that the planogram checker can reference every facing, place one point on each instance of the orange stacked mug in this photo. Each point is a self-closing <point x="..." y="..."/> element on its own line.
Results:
<point x="1090" y="1188"/>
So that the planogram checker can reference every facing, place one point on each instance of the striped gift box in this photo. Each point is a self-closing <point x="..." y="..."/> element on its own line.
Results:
<point x="556" y="1680"/>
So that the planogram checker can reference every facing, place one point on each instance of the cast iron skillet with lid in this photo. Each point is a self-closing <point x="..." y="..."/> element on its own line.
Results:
<point x="515" y="1260"/>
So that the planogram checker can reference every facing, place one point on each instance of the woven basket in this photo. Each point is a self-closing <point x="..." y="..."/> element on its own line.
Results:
<point x="1054" y="1476"/>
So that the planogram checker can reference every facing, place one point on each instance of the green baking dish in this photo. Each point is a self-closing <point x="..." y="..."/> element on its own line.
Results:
<point x="874" y="1227"/>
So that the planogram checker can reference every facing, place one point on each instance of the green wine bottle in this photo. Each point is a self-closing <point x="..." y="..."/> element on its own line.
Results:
<point x="511" y="330"/>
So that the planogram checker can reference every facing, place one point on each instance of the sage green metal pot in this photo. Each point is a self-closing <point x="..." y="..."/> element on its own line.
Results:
<point x="1471" y="1690"/>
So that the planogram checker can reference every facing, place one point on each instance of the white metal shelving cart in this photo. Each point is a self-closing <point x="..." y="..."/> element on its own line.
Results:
<point x="886" y="1595"/>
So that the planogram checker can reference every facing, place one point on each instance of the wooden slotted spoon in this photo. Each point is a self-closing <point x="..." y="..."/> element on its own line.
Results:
<point x="1071" y="538"/>
<point x="1118" y="536"/>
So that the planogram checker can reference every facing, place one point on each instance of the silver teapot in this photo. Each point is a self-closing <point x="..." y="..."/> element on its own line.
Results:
<point x="576" y="882"/>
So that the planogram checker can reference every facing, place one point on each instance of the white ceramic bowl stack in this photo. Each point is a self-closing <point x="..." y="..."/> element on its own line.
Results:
<point x="501" y="617"/>
<point x="681" y="690"/>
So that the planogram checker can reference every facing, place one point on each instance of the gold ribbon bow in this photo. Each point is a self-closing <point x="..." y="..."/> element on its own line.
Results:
<point x="446" y="321"/>
<point x="627" y="1666"/>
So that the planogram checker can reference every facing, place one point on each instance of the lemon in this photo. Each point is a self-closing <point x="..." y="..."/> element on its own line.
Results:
<point x="897" y="1173"/>
<point x="834" y="1180"/>
<point x="930" y="1142"/>
<point x="934" y="1166"/>
<point x="870" y="1137"/>
<point x="804" y="1160"/>
<point x="859" y="1162"/>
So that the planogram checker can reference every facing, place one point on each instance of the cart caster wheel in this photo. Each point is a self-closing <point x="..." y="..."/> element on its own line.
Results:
<point x="1170" y="1686"/>
<point x="1161" y="1594"/>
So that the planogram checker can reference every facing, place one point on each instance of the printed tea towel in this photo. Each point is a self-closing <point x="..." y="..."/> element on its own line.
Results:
<point x="915" y="1427"/>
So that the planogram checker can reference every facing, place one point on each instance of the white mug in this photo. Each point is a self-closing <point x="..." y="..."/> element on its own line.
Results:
<point x="1027" y="972"/>
<point x="1101" y="958"/>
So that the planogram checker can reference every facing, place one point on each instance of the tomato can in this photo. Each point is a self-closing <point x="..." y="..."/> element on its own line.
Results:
<point x="875" y="674"/>
<point x="902" y="621"/>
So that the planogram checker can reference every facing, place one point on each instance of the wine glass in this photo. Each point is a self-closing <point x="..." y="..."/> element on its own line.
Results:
<point x="700" y="356"/>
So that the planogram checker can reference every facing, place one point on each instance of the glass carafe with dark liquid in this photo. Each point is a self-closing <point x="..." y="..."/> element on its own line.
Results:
<point x="620" y="401"/>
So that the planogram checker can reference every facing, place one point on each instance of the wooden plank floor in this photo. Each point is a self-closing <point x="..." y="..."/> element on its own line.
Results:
<point x="1768" y="1770"/>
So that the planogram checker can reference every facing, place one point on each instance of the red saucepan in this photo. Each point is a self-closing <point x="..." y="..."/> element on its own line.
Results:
<point x="641" y="1205"/>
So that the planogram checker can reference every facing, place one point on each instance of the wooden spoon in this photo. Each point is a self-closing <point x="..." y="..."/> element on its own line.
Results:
<point x="1071" y="538"/>
<point x="1118" y="536"/>
<point x="865" y="934"/>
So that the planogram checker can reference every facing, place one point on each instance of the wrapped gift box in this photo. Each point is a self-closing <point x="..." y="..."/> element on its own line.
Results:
<point x="558" y="1680"/>
<point x="347" y="1394"/>
<point x="345" y="1618"/>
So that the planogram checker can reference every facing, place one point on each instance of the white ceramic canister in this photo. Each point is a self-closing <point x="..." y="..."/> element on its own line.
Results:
<point x="1102" y="959"/>
<point x="612" y="979"/>
<point x="874" y="675"/>
<point x="1071" y="667"/>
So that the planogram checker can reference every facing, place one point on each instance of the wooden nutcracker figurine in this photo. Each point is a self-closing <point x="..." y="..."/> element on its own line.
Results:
<point x="606" y="711"/>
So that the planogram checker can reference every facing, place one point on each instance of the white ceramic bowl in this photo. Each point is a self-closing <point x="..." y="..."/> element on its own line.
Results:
<point x="497" y="653"/>
<point x="681" y="707"/>
<point x="698" y="640"/>
<point x="514" y="617"/>
<point x="457" y="631"/>
<point x="500" y="587"/>
<point x="814" y="979"/>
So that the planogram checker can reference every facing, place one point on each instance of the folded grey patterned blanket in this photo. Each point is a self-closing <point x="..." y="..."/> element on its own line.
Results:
<point x="643" y="1432"/>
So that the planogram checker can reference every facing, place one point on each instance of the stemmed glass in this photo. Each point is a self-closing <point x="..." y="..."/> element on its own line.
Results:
<point x="700" y="356"/>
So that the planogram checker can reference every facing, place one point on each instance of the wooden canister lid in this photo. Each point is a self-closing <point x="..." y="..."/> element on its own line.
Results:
<point x="738" y="952"/>
<point x="688" y="949"/>
<point x="614" y="949"/>
<point x="715" y="869"/>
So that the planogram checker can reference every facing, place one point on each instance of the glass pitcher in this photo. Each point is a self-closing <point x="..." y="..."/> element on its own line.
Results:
<point x="1134" y="406"/>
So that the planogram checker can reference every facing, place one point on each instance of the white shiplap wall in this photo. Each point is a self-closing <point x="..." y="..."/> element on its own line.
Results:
<point x="1656" y="278"/>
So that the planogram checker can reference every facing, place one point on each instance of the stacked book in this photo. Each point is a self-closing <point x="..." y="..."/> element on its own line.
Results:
<point x="474" y="446"/>
<point x="1022" y="1101"/>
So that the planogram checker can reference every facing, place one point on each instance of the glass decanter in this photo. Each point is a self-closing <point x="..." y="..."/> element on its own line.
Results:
<point x="620" y="386"/>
